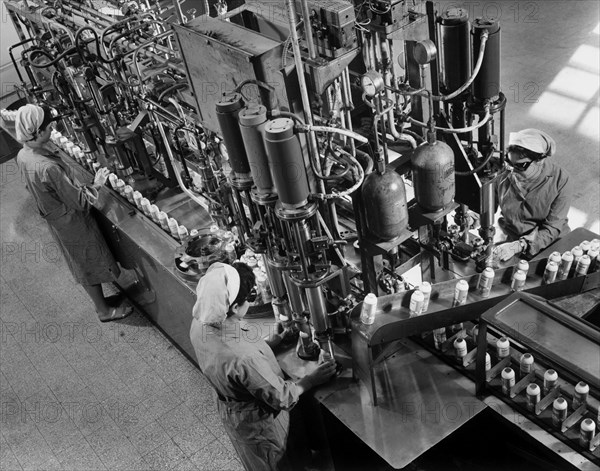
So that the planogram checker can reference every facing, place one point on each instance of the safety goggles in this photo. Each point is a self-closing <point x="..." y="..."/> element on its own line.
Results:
<point x="520" y="166"/>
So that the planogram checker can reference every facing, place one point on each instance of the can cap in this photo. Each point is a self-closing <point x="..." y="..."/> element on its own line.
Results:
<point x="533" y="389"/>
<point x="279" y="129"/>
<point x="527" y="358"/>
<point x="253" y="115"/>
<point x="230" y="103"/>
<point x="551" y="266"/>
<point x="454" y="17"/>
<point x="588" y="425"/>
<point x="508" y="373"/>
<point x="560" y="403"/>
<point x="551" y="375"/>
<point x="370" y="299"/>
<point x="577" y="251"/>
<point x="417" y="295"/>
<point x="426" y="287"/>
<point x="582" y="388"/>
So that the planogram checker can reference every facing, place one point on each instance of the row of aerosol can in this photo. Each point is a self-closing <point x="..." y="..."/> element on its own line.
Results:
<point x="257" y="263"/>
<point x="580" y="260"/>
<point x="535" y="392"/>
<point x="85" y="159"/>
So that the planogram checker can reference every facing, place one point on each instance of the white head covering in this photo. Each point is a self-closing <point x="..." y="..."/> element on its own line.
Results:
<point x="28" y="121"/>
<point x="534" y="140"/>
<point x="216" y="291"/>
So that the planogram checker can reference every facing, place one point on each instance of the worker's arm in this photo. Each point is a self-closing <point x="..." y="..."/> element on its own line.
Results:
<point x="550" y="228"/>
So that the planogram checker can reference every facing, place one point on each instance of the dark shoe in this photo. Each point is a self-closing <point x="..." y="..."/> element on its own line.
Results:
<point x="117" y="313"/>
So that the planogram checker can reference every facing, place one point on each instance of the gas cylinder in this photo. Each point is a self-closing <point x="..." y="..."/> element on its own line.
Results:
<point x="286" y="162"/>
<point x="252" y="123"/>
<point x="455" y="49"/>
<point x="227" y="115"/>
<point x="433" y="175"/>
<point x="384" y="197"/>
<point x="487" y="83"/>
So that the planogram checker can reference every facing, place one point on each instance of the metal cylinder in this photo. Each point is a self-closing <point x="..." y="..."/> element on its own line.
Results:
<point x="252" y="123"/>
<point x="487" y="83"/>
<point x="454" y="49"/>
<point x="275" y="278"/>
<point x="433" y="175"/>
<point x="286" y="162"/>
<point x="227" y="115"/>
<point x="294" y="295"/>
<point x="384" y="198"/>
<point x="317" y="308"/>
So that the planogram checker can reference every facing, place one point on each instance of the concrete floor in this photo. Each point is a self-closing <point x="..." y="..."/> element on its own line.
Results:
<point x="77" y="394"/>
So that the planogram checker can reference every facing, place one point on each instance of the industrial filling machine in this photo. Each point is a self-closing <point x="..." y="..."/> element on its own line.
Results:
<point x="348" y="152"/>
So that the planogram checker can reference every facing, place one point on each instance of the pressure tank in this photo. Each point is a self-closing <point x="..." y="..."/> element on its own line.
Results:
<point x="487" y="83"/>
<point x="455" y="49"/>
<point x="286" y="162"/>
<point x="433" y="175"/>
<point x="252" y="124"/>
<point x="227" y="115"/>
<point x="384" y="198"/>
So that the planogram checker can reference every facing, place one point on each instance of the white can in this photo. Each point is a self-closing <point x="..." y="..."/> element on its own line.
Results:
<point x="523" y="265"/>
<point x="137" y="199"/>
<point x="559" y="411"/>
<point x="486" y="280"/>
<point x="550" y="273"/>
<point x="555" y="257"/>
<point x="145" y="205"/>
<point x="120" y="186"/>
<point x="508" y="380"/>
<point x="502" y="348"/>
<point x="581" y="394"/>
<point x="533" y="396"/>
<point x="112" y="179"/>
<point x="595" y="244"/>
<point x="583" y="265"/>
<point x="518" y="281"/>
<point x="550" y="380"/>
<point x="416" y="303"/>
<point x="426" y="290"/>
<point x="173" y="227"/>
<point x="369" y="307"/>
<point x="587" y="430"/>
<point x="565" y="266"/>
<point x="460" y="293"/>
<point x="488" y="362"/>
<point x="526" y="363"/>
<point x="154" y="212"/>
<point x="183" y="232"/>
<point x="460" y="348"/>
<point x="128" y="193"/>
<point x="163" y="220"/>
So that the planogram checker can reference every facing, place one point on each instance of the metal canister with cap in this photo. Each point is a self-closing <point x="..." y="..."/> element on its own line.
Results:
<point x="550" y="273"/>
<point x="526" y="363"/>
<point x="555" y="257"/>
<point x="426" y="290"/>
<point x="559" y="411"/>
<point x="577" y="254"/>
<point x="227" y="116"/>
<point x="486" y="280"/>
<point x="533" y="393"/>
<point x="461" y="291"/>
<point x="587" y="430"/>
<point x="508" y="380"/>
<point x="416" y="303"/>
<point x="286" y="163"/>
<point x="523" y="265"/>
<point x="581" y="394"/>
<point x="518" y="281"/>
<point x="583" y="265"/>
<point x="565" y="265"/>
<point x="369" y="307"/>
<point x="550" y="380"/>
<point x="252" y="123"/>
<point x="502" y="348"/>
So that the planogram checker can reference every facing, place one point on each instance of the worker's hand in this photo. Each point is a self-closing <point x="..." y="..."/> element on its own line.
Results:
<point x="101" y="177"/>
<point x="506" y="251"/>
<point x="324" y="372"/>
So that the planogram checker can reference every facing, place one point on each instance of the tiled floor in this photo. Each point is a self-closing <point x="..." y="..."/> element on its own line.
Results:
<point x="76" y="394"/>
